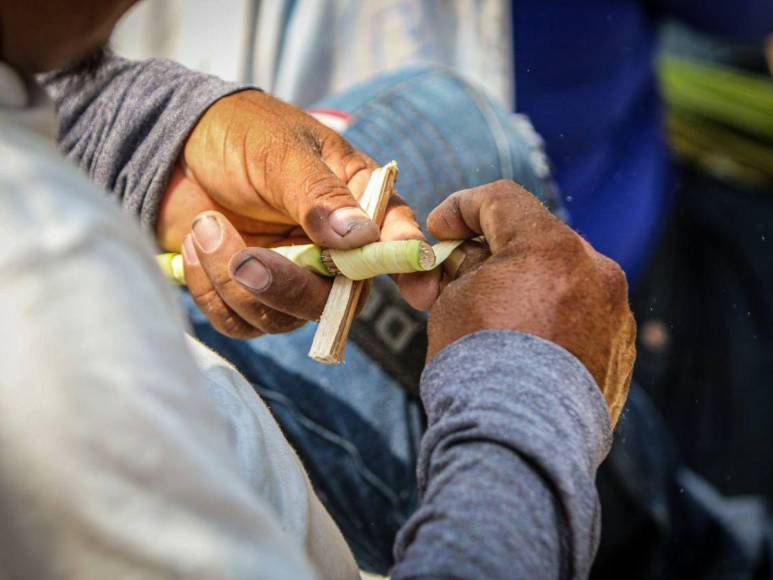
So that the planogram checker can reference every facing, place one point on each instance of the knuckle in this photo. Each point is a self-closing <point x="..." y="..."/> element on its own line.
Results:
<point x="504" y="189"/>
<point x="507" y="189"/>
<point x="566" y="244"/>
<point x="278" y="323"/>
<point x="233" y="326"/>
<point x="332" y="140"/>
<point x="507" y="186"/>
<point x="354" y="163"/>
<point x="218" y="276"/>
<point x="397" y="201"/>
<point x="571" y="240"/>
<point x="208" y="301"/>
<point x="222" y="318"/>
<point x="615" y="280"/>
<point x="296" y="292"/>
<point x="452" y="206"/>
<point x="305" y="134"/>
<point x="312" y="138"/>
<point x="321" y="185"/>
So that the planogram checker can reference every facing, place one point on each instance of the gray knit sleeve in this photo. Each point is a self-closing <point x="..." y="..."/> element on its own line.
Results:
<point x="516" y="431"/>
<point x="125" y="122"/>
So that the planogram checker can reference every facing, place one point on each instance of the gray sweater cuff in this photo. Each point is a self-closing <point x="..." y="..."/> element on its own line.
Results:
<point x="538" y="381"/>
<point x="516" y="431"/>
<point x="125" y="123"/>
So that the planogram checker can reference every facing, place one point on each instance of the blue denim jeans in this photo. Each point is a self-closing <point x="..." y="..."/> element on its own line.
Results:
<point x="355" y="428"/>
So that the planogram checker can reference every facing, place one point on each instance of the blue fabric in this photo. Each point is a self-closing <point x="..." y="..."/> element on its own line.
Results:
<point x="445" y="135"/>
<point x="584" y="75"/>
<point x="585" y="78"/>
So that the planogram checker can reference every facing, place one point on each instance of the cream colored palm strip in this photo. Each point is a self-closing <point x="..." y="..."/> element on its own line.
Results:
<point x="398" y="257"/>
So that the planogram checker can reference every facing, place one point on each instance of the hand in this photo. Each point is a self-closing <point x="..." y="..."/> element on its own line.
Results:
<point x="247" y="292"/>
<point x="542" y="278"/>
<point x="273" y="175"/>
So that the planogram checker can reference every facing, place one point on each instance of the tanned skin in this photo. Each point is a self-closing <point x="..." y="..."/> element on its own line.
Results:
<point x="542" y="278"/>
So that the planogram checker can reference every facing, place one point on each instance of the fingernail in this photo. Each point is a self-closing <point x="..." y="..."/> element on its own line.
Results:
<point x="347" y="219"/>
<point x="253" y="274"/>
<point x="206" y="230"/>
<point x="189" y="252"/>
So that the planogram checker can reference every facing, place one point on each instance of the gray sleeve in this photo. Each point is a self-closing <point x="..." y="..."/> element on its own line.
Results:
<point x="516" y="431"/>
<point x="125" y="123"/>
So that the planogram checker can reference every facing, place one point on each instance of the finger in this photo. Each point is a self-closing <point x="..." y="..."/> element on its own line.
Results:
<point x="500" y="211"/>
<point x="216" y="241"/>
<point x="279" y="283"/>
<point x="220" y="315"/>
<point x="464" y="260"/>
<point x="400" y="222"/>
<point x="421" y="289"/>
<point x="318" y="199"/>
<point x="352" y="167"/>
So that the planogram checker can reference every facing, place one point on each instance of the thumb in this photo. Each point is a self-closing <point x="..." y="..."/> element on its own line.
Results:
<point x="322" y="203"/>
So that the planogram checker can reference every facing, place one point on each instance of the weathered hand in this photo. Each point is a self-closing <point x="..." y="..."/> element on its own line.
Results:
<point x="247" y="292"/>
<point x="542" y="278"/>
<point x="275" y="175"/>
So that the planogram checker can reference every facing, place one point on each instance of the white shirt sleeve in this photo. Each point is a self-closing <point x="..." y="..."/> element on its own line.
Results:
<point x="119" y="457"/>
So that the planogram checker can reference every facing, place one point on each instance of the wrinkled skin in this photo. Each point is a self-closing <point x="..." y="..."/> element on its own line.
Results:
<point x="542" y="278"/>
<point x="269" y="174"/>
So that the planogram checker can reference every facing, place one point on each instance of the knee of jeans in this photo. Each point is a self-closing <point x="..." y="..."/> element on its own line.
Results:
<point x="381" y="85"/>
<point x="446" y="133"/>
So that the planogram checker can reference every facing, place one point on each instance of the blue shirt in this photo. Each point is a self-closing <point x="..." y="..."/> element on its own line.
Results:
<point x="585" y="76"/>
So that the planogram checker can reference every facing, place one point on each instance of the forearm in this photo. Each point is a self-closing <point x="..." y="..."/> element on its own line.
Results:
<point x="125" y="123"/>
<point x="517" y="429"/>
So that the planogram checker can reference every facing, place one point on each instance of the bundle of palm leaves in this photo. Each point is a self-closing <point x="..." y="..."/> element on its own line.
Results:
<point x="721" y="119"/>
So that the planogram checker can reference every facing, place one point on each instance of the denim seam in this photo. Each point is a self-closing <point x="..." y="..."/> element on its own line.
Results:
<point x="396" y="88"/>
<point x="376" y="144"/>
<point x="431" y="127"/>
<point x="497" y="131"/>
<point x="409" y="165"/>
<point x="434" y="70"/>
<point x="390" y="136"/>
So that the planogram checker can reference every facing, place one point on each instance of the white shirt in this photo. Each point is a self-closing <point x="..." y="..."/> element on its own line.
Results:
<point x="304" y="50"/>
<point x="126" y="449"/>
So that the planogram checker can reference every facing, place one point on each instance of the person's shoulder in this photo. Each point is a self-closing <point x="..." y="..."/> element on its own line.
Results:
<point x="22" y="154"/>
<point x="33" y="164"/>
<point x="43" y="195"/>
